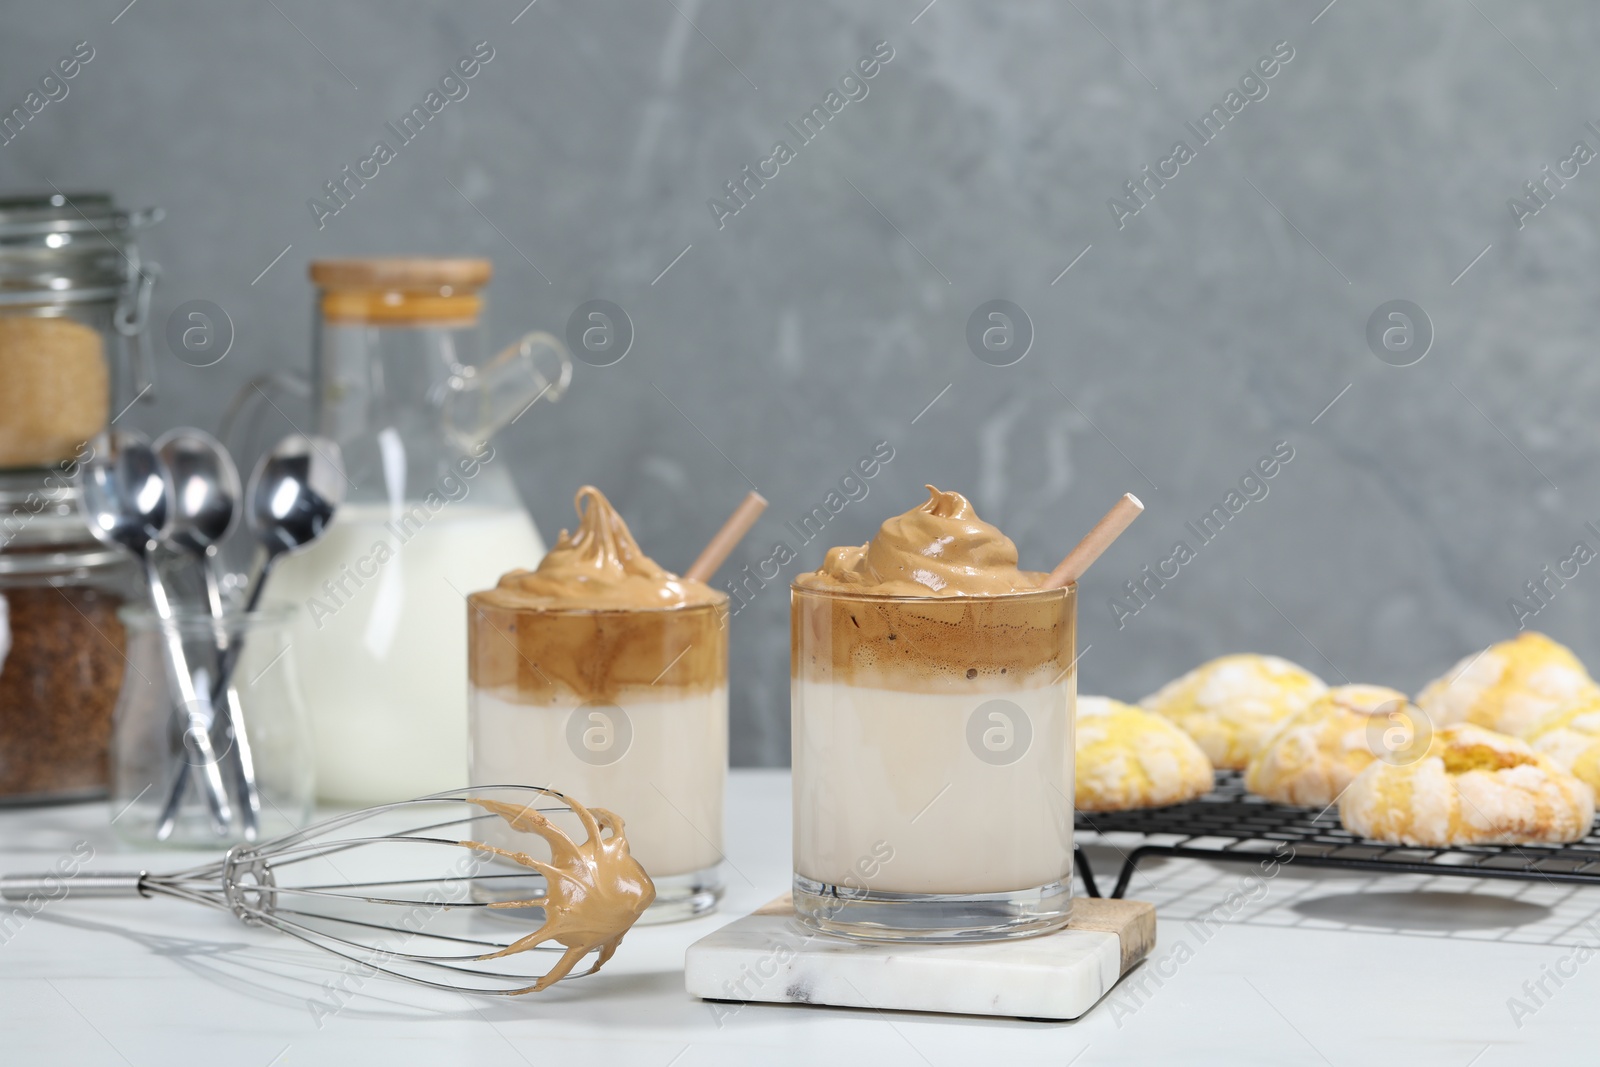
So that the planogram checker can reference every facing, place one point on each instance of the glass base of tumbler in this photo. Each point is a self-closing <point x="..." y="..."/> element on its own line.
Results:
<point x="684" y="896"/>
<point x="678" y="896"/>
<point x="873" y="915"/>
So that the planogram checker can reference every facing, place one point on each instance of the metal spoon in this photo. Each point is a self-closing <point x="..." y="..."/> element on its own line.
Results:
<point x="127" y="493"/>
<point x="293" y="493"/>
<point x="205" y="511"/>
<point x="292" y="496"/>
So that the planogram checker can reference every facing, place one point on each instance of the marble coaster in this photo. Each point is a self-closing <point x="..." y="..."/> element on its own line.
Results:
<point x="768" y="957"/>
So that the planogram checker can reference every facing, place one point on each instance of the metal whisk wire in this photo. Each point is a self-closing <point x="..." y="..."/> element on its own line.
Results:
<point x="441" y="927"/>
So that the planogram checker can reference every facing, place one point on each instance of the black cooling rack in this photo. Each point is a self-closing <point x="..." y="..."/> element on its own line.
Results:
<point x="1230" y="824"/>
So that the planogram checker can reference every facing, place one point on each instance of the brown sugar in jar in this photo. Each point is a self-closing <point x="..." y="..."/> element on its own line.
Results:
<point x="75" y="347"/>
<point x="54" y="388"/>
<point x="61" y="668"/>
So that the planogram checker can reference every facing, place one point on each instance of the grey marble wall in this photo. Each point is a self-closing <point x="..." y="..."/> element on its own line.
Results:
<point x="1186" y="341"/>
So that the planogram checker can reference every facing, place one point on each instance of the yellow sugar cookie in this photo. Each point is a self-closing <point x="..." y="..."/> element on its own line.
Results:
<point x="1571" y="737"/>
<point x="1508" y="686"/>
<point x="1474" y="787"/>
<point x="1231" y="704"/>
<point x="1311" y="756"/>
<point x="1131" y="758"/>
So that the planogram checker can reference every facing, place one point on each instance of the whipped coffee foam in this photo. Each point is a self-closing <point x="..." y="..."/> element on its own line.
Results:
<point x="599" y="567"/>
<point x="941" y="548"/>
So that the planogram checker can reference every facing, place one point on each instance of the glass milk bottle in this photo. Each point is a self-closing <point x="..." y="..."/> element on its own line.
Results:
<point x="430" y="514"/>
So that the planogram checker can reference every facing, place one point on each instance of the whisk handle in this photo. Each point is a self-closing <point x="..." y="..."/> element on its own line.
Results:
<point x="85" y="884"/>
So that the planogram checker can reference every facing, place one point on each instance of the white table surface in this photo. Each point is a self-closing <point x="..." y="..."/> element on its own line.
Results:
<point x="1308" y="968"/>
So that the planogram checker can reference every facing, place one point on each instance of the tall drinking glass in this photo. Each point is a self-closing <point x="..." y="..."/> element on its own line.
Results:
<point x="624" y="709"/>
<point x="932" y="748"/>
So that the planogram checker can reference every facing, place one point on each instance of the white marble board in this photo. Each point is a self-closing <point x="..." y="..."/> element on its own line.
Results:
<point x="768" y="957"/>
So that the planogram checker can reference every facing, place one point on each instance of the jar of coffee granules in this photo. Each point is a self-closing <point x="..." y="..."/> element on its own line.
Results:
<point x="61" y="665"/>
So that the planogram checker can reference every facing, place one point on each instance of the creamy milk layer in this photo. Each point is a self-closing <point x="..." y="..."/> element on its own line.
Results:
<point x="604" y="675"/>
<point x="880" y="773"/>
<point x="932" y="693"/>
<point x="657" y="763"/>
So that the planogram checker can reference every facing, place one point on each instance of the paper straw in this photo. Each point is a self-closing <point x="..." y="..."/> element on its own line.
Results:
<point x="1107" y="530"/>
<point x="732" y="532"/>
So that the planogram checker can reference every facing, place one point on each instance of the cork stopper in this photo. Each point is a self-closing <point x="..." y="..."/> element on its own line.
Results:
<point x="404" y="290"/>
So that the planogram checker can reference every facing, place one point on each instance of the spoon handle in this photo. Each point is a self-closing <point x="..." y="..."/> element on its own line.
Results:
<point x="242" y="765"/>
<point x="198" y="711"/>
<point x="257" y="584"/>
<point x="227" y="660"/>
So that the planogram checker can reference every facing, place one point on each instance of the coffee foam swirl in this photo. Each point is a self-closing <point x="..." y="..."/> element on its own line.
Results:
<point x="941" y="548"/>
<point x="599" y="567"/>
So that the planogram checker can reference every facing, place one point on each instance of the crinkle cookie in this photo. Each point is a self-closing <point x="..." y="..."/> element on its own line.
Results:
<point x="1231" y="704"/>
<point x="1571" y="737"/>
<point x="1313" y="754"/>
<point x="1474" y="787"/>
<point x="1130" y="758"/>
<point x="1509" y="686"/>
